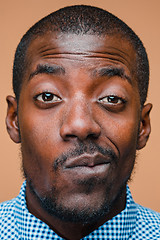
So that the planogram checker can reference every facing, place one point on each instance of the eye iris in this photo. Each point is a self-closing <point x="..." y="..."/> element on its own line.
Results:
<point x="47" y="97"/>
<point x="112" y="99"/>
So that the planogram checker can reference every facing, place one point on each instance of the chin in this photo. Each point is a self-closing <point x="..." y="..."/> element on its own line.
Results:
<point x="85" y="208"/>
<point x="76" y="214"/>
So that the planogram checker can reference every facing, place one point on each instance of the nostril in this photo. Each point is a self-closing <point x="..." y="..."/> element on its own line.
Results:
<point x="94" y="135"/>
<point x="72" y="136"/>
<point x="69" y="136"/>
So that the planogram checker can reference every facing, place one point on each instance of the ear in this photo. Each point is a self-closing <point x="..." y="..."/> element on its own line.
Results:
<point x="12" y="120"/>
<point x="145" y="127"/>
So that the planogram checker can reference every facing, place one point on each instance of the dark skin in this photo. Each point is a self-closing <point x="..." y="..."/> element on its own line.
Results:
<point x="78" y="89"/>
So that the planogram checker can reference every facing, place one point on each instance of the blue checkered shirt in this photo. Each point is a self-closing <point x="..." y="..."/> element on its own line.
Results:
<point x="134" y="222"/>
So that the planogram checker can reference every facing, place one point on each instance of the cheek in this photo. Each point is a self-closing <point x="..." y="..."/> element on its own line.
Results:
<point x="122" y="127"/>
<point x="126" y="141"/>
<point x="123" y="133"/>
<point x="39" y="148"/>
<point x="126" y="135"/>
<point x="39" y="129"/>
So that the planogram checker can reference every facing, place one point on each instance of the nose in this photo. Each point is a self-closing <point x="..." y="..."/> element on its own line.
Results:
<point x="79" y="123"/>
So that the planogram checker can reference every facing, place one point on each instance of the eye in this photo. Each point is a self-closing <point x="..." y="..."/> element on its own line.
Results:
<point x="113" y="103"/>
<point x="114" y="100"/>
<point x="47" y="97"/>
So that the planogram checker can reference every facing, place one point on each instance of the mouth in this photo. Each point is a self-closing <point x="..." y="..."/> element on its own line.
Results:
<point x="88" y="164"/>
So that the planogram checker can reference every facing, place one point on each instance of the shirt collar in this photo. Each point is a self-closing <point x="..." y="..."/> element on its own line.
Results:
<point x="122" y="225"/>
<point x="119" y="227"/>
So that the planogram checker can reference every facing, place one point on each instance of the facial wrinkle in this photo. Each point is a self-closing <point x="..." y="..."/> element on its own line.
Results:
<point x="115" y="58"/>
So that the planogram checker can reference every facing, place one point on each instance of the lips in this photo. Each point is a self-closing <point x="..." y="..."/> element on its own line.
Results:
<point x="87" y="160"/>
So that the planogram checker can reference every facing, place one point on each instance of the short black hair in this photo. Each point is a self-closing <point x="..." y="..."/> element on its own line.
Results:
<point x="82" y="19"/>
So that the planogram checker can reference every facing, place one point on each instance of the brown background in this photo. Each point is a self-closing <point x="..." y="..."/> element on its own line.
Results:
<point x="144" y="17"/>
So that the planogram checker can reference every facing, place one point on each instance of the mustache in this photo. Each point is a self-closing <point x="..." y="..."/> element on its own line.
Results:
<point x="82" y="148"/>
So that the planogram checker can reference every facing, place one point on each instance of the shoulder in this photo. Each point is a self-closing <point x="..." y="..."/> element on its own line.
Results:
<point x="8" y="228"/>
<point x="11" y="207"/>
<point x="147" y="224"/>
<point x="7" y="207"/>
<point x="7" y="210"/>
<point x="148" y="215"/>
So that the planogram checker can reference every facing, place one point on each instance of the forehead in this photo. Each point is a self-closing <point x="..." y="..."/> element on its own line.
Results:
<point x="81" y="50"/>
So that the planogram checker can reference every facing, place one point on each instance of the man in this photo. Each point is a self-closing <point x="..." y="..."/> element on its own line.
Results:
<point x="80" y="80"/>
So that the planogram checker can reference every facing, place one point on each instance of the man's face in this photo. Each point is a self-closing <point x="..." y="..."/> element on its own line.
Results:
<point x="79" y="115"/>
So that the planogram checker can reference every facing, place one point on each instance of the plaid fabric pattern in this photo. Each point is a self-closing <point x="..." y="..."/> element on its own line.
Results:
<point x="133" y="223"/>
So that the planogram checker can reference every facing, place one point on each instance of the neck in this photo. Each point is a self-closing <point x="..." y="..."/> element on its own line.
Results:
<point x="69" y="230"/>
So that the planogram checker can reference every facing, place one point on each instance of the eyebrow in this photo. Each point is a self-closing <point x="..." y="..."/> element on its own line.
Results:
<point x="48" y="69"/>
<point x="108" y="71"/>
<point x="111" y="71"/>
